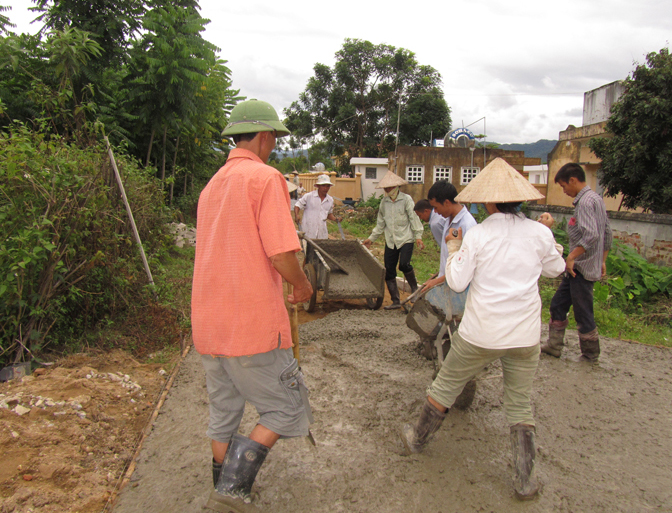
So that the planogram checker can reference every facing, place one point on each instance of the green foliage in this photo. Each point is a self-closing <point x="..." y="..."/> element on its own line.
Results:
<point x="113" y="21"/>
<point x="372" y="201"/>
<point x="4" y="20"/>
<point x="631" y="278"/>
<point x="165" y="91"/>
<point x="647" y="325"/>
<point x="67" y="256"/>
<point x="353" y="106"/>
<point x="635" y="279"/>
<point x="289" y="164"/>
<point x="637" y="158"/>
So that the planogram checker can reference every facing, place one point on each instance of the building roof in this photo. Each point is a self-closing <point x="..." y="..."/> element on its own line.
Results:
<point x="371" y="161"/>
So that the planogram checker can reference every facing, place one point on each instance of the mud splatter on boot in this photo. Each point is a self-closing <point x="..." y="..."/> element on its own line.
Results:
<point x="556" y="338"/>
<point x="524" y="451"/>
<point x="416" y="438"/>
<point x="590" y="346"/>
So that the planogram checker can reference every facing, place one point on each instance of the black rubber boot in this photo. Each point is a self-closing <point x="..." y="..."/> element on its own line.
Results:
<point x="394" y="294"/>
<point x="590" y="346"/>
<point x="416" y="438"/>
<point x="216" y="471"/>
<point x="233" y="491"/>
<point x="410" y="278"/>
<point x="524" y="451"/>
<point x="556" y="338"/>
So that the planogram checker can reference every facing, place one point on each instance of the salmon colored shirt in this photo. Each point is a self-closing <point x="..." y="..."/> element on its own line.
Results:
<point x="237" y="304"/>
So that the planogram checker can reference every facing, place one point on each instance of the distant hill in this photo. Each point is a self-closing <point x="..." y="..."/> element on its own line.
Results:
<point x="541" y="148"/>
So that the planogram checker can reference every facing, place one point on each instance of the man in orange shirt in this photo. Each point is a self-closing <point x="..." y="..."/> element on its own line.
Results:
<point x="246" y="244"/>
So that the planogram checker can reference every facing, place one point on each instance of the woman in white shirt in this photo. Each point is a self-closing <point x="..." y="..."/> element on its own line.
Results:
<point x="501" y="260"/>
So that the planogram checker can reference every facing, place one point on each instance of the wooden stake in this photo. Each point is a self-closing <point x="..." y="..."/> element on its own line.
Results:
<point x="130" y="215"/>
<point x="293" y="320"/>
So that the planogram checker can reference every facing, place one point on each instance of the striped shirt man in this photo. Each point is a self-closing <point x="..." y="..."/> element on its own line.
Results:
<point x="590" y="229"/>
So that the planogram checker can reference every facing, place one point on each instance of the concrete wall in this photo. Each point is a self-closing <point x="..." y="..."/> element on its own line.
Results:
<point x="572" y="146"/>
<point x="343" y="188"/>
<point x="649" y="234"/>
<point x="455" y="158"/>
<point x="597" y="103"/>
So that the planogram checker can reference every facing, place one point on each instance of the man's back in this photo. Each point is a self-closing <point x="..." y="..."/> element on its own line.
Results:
<point x="243" y="220"/>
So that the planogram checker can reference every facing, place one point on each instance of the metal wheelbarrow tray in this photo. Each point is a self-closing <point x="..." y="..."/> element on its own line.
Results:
<point x="343" y="269"/>
<point x="431" y="317"/>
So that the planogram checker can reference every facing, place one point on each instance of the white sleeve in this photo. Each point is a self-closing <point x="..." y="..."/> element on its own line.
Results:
<point x="552" y="263"/>
<point x="460" y="269"/>
<point x="301" y="203"/>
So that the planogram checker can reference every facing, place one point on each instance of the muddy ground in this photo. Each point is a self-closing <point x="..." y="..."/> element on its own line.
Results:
<point x="603" y="434"/>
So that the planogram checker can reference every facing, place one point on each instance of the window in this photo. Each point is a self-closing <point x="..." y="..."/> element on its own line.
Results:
<point x="468" y="174"/>
<point x="415" y="174"/>
<point x="370" y="173"/>
<point x="443" y="173"/>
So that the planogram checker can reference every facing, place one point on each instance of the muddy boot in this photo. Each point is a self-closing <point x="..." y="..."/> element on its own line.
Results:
<point x="216" y="471"/>
<point x="416" y="438"/>
<point x="233" y="491"/>
<point x="394" y="294"/>
<point x="590" y="346"/>
<point x="556" y="338"/>
<point x="522" y="443"/>
<point x="412" y="282"/>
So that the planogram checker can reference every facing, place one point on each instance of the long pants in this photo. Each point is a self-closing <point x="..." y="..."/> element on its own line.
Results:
<point x="465" y="360"/>
<point x="577" y="292"/>
<point x="402" y="256"/>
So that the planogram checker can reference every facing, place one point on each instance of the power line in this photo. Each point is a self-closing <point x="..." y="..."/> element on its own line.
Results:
<point x="516" y="94"/>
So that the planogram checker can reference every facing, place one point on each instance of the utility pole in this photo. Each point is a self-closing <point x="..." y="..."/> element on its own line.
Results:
<point x="396" y="140"/>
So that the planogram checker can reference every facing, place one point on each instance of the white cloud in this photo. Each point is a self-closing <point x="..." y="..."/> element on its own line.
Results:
<point x="513" y="63"/>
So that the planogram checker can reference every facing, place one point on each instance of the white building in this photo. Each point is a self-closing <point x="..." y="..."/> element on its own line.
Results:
<point x="537" y="174"/>
<point x="372" y="171"/>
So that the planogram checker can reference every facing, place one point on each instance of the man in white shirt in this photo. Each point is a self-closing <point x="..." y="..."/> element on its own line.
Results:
<point x="500" y="261"/>
<point x="317" y="207"/>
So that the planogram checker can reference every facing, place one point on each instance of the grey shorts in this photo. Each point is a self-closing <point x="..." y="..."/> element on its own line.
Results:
<point x="266" y="381"/>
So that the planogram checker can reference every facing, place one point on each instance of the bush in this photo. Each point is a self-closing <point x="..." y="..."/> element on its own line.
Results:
<point x="631" y="278"/>
<point x="67" y="255"/>
<point x="372" y="201"/>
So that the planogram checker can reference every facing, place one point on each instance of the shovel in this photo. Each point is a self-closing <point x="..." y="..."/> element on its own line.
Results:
<point x="340" y="229"/>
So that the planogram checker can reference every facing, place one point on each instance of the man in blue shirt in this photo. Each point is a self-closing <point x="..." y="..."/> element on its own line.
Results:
<point x="436" y="221"/>
<point x="442" y="198"/>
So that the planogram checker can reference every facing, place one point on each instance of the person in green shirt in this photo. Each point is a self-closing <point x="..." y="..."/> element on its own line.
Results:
<point x="397" y="220"/>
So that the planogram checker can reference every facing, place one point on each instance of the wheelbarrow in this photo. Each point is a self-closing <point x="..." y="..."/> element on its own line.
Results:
<point x="435" y="316"/>
<point x="343" y="269"/>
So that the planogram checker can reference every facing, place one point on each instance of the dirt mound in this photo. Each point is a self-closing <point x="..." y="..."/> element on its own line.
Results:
<point x="68" y="432"/>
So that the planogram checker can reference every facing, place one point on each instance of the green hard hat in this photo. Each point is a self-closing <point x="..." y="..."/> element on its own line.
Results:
<point x="254" y="116"/>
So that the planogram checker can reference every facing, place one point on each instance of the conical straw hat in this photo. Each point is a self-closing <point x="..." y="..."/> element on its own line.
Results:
<point x="498" y="182"/>
<point x="291" y="187"/>
<point x="391" y="180"/>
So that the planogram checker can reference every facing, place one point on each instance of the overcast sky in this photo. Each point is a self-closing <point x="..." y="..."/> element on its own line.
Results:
<point x="523" y="66"/>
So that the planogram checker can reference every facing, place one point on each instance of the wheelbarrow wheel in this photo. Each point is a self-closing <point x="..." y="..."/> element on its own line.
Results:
<point x="309" y="269"/>
<point x="374" y="303"/>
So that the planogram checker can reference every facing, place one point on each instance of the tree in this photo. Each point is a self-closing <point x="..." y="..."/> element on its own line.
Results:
<point x="113" y="22"/>
<point x="4" y="20"/>
<point x="353" y="106"/>
<point x="637" y="152"/>
<point x="169" y="67"/>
